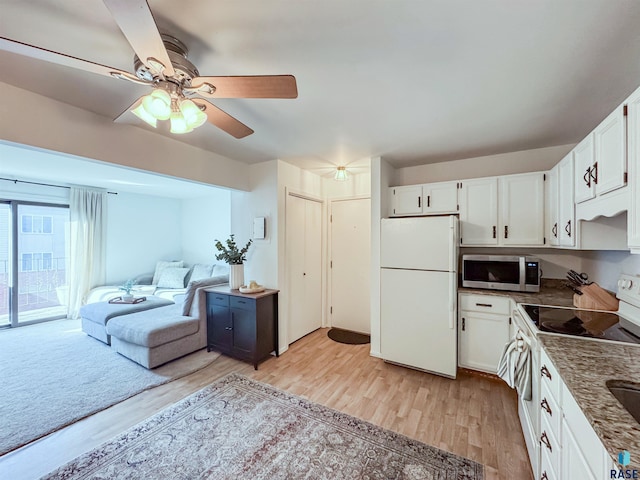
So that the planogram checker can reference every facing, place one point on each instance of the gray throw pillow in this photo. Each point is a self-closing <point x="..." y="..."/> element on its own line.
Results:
<point x="193" y="286"/>
<point x="161" y="265"/>
<point x="172" y="277"/>
<point x="200" y="271"/>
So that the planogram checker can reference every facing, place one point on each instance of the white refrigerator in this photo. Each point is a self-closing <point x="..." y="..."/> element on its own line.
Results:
<point x="418" y="293"/>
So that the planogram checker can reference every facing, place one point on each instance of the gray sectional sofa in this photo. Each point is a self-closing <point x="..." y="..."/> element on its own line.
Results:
<point x="159" y="334"/>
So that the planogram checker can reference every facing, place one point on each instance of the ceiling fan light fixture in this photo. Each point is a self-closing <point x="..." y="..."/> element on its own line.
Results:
<point x="179" y="124"/>
<point x="158" y="104"/>
<point x="142" y="114"/>
<point x="193" y="116"/>
<point x="341" y="174"/>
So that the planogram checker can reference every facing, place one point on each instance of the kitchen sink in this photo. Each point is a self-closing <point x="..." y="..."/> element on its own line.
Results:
<point x="628" y="394"/>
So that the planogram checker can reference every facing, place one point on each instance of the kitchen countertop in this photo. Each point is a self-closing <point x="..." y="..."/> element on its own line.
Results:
<point x="585" y="366"/>
<point x="552" y="292"/>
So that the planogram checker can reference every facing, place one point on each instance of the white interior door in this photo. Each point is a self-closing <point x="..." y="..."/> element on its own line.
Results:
<point x="304" y="273"/>
<point x="351" y="264"/>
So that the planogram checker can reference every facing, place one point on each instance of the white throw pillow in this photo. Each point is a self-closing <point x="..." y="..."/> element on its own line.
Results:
<point x="161" y="265"/>
<point x="220" y="270"/>
<point x="172" y="277"/>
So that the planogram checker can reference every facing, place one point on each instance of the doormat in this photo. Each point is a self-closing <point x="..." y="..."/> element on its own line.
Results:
<point x="349" y="337"/>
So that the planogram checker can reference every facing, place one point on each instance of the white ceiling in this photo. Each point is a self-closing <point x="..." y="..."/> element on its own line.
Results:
<point x="415" y="81"/>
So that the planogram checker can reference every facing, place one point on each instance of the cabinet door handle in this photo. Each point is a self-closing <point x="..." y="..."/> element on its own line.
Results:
<point x="545" y="371"/>
<point x="428" y="201"/>
<point x="419" y="202"/>
<point x="506" y="231"/>
<point x="463" y="324"/>
<point x="554" y="230"/>
<point x="544" y="439"/>
<point x="594" y="173"/>
<point x="228" y="328"/>
<point x="544" y="476"/>
<point x="567" y="228"/>
<point x="241" y="301"/>
<point x="544" y="404"/>
<point x="494" y="231"/>
<point x="587" y="177"/>
<point x="488" y="305"/>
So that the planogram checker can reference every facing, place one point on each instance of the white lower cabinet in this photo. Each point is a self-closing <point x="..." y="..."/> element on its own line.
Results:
<point x="483" y="330"/>
<point x="569" y="447"/>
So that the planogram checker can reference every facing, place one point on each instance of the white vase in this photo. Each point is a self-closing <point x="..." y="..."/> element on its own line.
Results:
<point x="236" y="276"/>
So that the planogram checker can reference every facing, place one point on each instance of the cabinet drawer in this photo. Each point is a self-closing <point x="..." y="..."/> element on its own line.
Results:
<point x="549" y="376"/>
<point x="546" y="469"/>
<point x="549" y="444"/>
<point x="485" y="303"/>
<point x="550" y="410"/>
<point x="218" y="299"/>
<point x="243" y="303"/>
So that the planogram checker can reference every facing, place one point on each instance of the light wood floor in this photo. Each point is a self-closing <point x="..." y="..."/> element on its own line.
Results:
<point x="473" y="416"/>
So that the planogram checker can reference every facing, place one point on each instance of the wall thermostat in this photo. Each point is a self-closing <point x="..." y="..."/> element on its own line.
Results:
<point x="259" y="230"/>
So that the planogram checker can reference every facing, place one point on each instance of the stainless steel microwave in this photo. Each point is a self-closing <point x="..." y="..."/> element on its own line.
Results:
<point x="501" y="272"/>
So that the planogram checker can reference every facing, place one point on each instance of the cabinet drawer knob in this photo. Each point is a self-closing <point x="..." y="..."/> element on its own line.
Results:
<point x="544" y="404"/>
<point x="544" y="439"/>
<point x="228" y="328"/>
<point x="545" y="371"/>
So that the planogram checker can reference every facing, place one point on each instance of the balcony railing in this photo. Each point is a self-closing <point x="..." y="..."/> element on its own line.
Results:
<point x="39" y="288"/>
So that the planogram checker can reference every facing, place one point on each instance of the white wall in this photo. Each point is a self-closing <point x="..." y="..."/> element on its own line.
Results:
<point x="606" y="267"/>
<point x="382" y="176"/>
<point x="504" y="164"/>
<point x="141" y="230"/>
<point x="63" y="128"/>
<point x="203" y="221"/>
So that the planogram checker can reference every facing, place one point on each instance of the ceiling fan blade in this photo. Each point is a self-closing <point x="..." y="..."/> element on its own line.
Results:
<point x="27" y="50"/>
<point x="258" y="86"/>
<point x="223" y="120"/>
<point x="137" y="24"/>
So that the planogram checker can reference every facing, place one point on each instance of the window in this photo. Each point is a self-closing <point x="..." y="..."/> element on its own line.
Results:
<point x="37" y="224"/>
<point x="36" y="262"/>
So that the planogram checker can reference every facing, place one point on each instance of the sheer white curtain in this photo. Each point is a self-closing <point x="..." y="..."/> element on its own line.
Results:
<point x="87" y="263"/>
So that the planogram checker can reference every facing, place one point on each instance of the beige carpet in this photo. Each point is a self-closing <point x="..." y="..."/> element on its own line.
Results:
<point x="238" y="428"/>
<point x="53" y="374"/>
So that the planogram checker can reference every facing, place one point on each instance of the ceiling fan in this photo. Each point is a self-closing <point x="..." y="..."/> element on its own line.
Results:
<point x="161" y="62"/>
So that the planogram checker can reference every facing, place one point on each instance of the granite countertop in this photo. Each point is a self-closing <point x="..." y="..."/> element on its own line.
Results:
<point x="552" y="292"/>
<point x="585" y="366"/>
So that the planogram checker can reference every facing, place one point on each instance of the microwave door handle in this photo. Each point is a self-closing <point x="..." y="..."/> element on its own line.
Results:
<point x="523" y="274"/>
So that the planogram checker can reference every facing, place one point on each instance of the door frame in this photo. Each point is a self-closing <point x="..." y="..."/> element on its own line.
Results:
<point x="323" y="262"/>
<point x="15" y="261"/>
<point x="327" y="306"/>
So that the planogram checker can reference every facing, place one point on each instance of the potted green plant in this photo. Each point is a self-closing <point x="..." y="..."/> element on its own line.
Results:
<point x="126" y="287"/>
<point x="235" y="257"/>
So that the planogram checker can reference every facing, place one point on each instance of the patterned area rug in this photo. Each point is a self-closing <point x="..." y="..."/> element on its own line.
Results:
<point x="237" y="428"/>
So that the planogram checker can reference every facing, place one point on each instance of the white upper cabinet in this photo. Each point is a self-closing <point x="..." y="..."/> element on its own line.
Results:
<point x="566" y="207"/>
<point x="601" y="158"/>
<point x="507" y="210"/>
<point x="427" y="199"/>
<point x="610" y="141"/>
<point x="584" y="158"/>
<point x="633" y="219"/>
<point x="441" y="197"/>
<point x="406" y="200"/>
<point x="479" y="211"/>
<point x="521" y="209"/>
<point x="552" y="207"/>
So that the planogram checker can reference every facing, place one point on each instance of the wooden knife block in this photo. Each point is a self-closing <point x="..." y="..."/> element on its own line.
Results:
<point x="594" y="297"/>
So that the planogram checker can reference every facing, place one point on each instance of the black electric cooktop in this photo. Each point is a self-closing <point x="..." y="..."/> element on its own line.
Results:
<point x="580" y="323"/>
